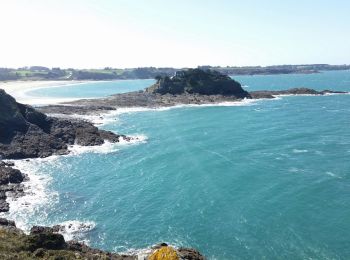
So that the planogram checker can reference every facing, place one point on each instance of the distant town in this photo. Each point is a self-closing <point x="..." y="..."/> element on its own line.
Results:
<point x="108" y="73"/>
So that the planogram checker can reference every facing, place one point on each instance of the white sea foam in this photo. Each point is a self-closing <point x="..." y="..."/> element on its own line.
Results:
<point x="75" y="229"/>
<point x="300" y="151"/>
<point x="141" y="253"/>
<point x="112" y="116"/>
<point x="334" y="94"/>
<point x="107" y="147"/>
<point x="37" y="195"/>
<point x="310" y="95"/>
<point x="333" y="175"/>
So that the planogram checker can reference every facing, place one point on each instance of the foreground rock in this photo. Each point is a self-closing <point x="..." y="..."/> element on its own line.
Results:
<point x="10" y="184"/>
<point x="46" y="243"/>
<point x="28" y="133"/>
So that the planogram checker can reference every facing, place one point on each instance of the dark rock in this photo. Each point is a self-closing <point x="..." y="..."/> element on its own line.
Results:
<point x="46" y="240"/>
<point x="190" y="254"/>
<point x="42" y="229"/>
<point x="40" y="252"/>
<point x="28" y="133"/>
<point x="80" y="110"/>
<point x="4" y="206"/>
<point x="43" y="242"/>
<point x="111" y="137"/>
<point x="10" y="180"/>
<point x="159" y="245"/>
<point x="198" y="81"/>
<point x="2" y="164"/>
<point x="327" y="91"/>
<point x="2" y="195"/>
<point x="152" y="99"/>
<point x="10" y="175"/>
<point x="6" y="222"/>
<point x="292" y="91"/>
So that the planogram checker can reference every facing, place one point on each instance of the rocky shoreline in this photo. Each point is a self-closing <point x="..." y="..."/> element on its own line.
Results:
<point x="26" y="133"/>
<point x="10" y="184"/>
<point x="145" y="99"/>
<point x="48" y="243"/>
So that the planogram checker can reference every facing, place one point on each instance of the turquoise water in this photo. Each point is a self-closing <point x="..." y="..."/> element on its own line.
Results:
<point x="92" y="89"/>
<point x="337" y="80"/>
<point x="264" y="180"/>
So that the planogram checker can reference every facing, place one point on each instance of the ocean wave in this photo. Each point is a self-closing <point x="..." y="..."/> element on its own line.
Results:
<point x="333" y="175"/>
<point x="141" y="253"/>
<point x="106" y="147"/>
<point x="300" y="151"/>
<point x="112" y="116"/>
<point x="37" y="195"/>
<point x="32" y="208"/>
<point x="76" y="230"/>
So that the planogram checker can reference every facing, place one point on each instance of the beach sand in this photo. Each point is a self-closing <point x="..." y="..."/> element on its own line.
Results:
<point x="19" y="89"/>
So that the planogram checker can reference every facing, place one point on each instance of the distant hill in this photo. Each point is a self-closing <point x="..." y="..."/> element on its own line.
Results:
<point x="108" y="73"/>
<point x="198" y="81"/>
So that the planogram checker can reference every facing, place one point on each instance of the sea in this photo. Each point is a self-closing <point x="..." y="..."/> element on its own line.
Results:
<point x="259" y="179"/>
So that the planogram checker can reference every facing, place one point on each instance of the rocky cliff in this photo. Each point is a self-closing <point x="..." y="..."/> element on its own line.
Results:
<point x="28" y="133"/>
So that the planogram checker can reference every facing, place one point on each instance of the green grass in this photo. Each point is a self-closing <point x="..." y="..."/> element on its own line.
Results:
<point x="15" y="245"/>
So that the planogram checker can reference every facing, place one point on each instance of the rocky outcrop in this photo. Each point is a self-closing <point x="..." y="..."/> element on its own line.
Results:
<point x="10" y="175"/>
<point x="292" y="91"/>
<point x="198" y="81"/>
<point x="151" y="99"/>
<point x="47" y="243"/>
<point x="28" y="133"/>
<point x="10" y="184"/>
<point x="44" y="243"/>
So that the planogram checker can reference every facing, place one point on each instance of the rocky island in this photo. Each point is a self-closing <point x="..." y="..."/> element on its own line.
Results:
<point x="188" y="87"/>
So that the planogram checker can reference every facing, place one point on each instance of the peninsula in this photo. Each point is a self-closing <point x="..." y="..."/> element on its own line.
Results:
<point x="188" y="87"/>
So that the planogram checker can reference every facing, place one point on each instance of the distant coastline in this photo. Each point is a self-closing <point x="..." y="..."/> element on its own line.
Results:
<point x="40" y="73"/>
<point x="19" y="89"/>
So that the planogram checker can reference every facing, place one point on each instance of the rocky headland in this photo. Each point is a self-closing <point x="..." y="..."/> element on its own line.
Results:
<point x="27" y="133"/>
<point x="190" y="87"/>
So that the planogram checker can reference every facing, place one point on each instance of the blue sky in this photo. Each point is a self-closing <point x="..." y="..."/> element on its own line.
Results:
<point x="130" y="33"/>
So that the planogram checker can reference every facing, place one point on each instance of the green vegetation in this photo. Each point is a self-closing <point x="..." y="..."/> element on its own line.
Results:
<point x="197" y="81"/>
<point x="16" y="245"/>
<point x="108" y="73"/>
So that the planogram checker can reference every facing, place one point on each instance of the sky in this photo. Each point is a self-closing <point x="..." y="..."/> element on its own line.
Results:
<point x="173" y="33"/>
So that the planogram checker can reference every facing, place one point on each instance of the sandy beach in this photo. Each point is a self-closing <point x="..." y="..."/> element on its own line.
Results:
<point x="19" y="89"/>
